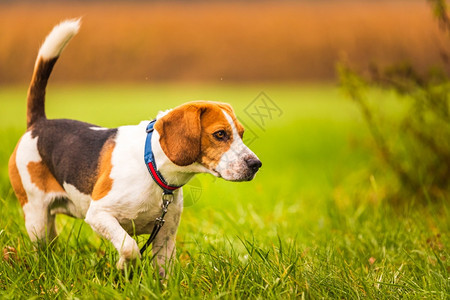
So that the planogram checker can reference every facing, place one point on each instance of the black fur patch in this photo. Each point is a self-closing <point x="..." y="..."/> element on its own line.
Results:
<point x="36" y="92"/>
<point x="71" y="150"/>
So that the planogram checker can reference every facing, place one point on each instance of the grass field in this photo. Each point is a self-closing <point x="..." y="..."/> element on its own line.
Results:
<point x="314" y="223"/>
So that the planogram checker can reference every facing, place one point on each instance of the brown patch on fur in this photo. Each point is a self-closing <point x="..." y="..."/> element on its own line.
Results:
<point x="42" y="177"/>
<point x="104" y="182"/>
<point x="180" y="133"/>
<point x="186" y="133"/>
<point x="15" y="179"/>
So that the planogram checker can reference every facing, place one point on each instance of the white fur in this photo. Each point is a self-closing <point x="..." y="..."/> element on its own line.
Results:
<point x="79" y="202"/>
<point x="98" y="128"/>
<point x="162" y="113"/>
<point x="58" y="38"/>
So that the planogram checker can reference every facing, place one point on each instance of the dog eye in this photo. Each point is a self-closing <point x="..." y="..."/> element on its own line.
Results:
<point x="220" y="135"/>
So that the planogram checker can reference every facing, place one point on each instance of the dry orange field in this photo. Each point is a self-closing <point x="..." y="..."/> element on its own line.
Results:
<point x="201" y="41"/>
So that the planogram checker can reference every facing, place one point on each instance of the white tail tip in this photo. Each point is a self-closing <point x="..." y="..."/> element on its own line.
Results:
<point x="57" y="39"/>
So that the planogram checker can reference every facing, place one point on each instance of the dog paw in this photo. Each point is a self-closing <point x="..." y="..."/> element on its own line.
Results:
<point x="129" y="252"/>
<point x="122" y="263"/>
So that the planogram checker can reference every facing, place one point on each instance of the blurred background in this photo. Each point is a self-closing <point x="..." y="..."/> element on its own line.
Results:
<point x="346" y="103"/>
<point x="219" y="41"/>
<point x="297" y="52"/>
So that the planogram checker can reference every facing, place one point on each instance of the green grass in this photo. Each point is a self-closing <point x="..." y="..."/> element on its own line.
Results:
<point x="314" y="223"/>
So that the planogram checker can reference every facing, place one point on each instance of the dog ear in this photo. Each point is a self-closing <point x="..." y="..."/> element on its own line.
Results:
<point x="180" y="134"/>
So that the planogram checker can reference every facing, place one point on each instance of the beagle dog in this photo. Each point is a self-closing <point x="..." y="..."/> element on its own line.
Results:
<point x="62" y="166"/>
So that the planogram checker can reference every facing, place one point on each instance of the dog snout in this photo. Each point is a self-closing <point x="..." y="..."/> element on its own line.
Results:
<point x="253" y="164"/>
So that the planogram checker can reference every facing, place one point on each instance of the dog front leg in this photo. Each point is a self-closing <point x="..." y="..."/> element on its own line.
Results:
<point x="164" y="244"/>
<point x="107" y="226"/>
<point x="164" y="250"/>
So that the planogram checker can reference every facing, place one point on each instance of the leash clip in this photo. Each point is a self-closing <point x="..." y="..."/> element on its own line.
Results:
<point x="159" y="222"/>
<point x="167" y="198"/>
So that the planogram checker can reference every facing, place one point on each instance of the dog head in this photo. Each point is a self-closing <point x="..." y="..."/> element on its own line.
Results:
<point x="207" y="133"/>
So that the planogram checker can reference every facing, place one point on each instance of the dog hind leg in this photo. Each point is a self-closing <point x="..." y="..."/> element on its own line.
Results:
<point x="40" y="224"/>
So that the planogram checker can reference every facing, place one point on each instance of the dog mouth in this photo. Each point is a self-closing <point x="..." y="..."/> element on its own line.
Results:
<point x="216" y="173"/>
<point x="246" y="175"/>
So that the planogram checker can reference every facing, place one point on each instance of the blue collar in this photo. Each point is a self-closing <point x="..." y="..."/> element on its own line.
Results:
<point x="151" y="165"/>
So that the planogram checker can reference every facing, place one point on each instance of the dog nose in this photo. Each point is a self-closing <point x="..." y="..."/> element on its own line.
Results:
<point x="254" y="164"/>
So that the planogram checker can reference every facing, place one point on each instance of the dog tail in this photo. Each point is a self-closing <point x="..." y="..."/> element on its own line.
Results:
<point x="46" y="59"/>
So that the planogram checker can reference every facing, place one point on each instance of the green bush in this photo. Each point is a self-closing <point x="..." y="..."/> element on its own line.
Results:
<point x="414" y="143"/>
